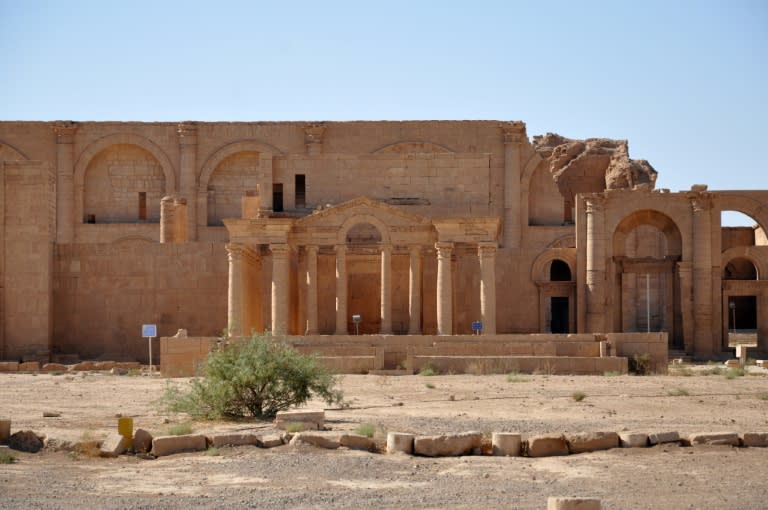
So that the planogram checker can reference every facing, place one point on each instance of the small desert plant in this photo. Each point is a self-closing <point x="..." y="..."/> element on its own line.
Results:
<point x="256" y="377"/>
<point x="366" y="429"/>
<point x="57" y="372"/>
<point x="678" y="392"/>
<point x="711" y="371"/>
<point x="611" y="373"/>
<point x="212" y="452"/>
<point x="680" y="370"/>
<point x="180" y="429"/>
<point x="7" y="458"/>
<point x="428" y="371"/>
<point x="134" y="372"/>
<point x="578" y="396"/>
<point x="514" y="377"/>
<point x="430" y="385"/>
<point x="294" y="427"/>
<point x="640" y="364"/>
<point x="733" y="373"/>
<point x="87" y="446"/>
<point x="762" y="396"/>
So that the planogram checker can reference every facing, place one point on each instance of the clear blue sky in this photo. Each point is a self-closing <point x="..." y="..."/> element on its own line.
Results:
<point x="686" y="82"/>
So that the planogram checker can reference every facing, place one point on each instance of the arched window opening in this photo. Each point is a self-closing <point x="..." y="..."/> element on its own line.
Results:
<point x="740" y="269"/>
<point x="559" y="271"/>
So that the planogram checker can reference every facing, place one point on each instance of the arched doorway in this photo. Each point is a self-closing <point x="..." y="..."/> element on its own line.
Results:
<point x="559" y="305"/>
<point x="363" y="242"/>
<point x="647" y="246"/>
<point x="740" y="296"/>
<point x="553" y="274"/>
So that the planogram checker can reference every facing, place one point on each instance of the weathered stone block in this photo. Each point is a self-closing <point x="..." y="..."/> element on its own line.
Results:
<point x="329" y="441"/>
<point x="759" y="439"/>
<point x="54" y="367"/>
<point x="9" y="366"/>
<point x="447" y="445"/>
<point x="29" y="366"/>
<point x="715" y="438"/>
<point x="592" y="441"/>
<point x="113" y="445"/>
<point x="168" y="445"/>
<point x="400" y="442"/>
<point x="142" y="441"/>
<point x="633" y="440"/>
<point x="235" y="439"/>
<point x="547" y="446"/>
<point x="554" y="503"/>
<point x="311" y="420"/>
<point x="357" y="442"/>
<point x="5" y="430"/>
<point x="663" y="437"/>
<point x="271" y="441"/>
<point x="506" y="444"/>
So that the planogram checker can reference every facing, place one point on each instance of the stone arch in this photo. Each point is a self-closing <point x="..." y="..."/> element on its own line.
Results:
<point x="97" y="147"/>
<point x="542" y="264"/>
<point x="13" y="153"/>
<point x="745" y="204"/>
<point x="657" y="219"/>
<point x="566" y="241"/>
<point x="226" y="151"/>
<point x="412" y="147"/>
<point x="745" y="252"/>
<point x="353" y="221"/>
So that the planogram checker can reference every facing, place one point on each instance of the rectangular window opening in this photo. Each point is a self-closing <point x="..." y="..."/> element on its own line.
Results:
<point x="142" y="205"/>
<point x="277" y="197"/>
<point x="301" y="191"/>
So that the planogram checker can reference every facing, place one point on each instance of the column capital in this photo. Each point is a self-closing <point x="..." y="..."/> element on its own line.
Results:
<point x="235" y="251"/>
<point x="487" y="248"/>
<point x="65" y="130"/>
<point x="701" y="201"/>
<point x="415" y="250"/>
<point x="444" y="249"/>
<point x="386" y="248"/>
<point x="595" y="202"/>
<point x="313" y="138"/>
<point x="514" y="132"/>
<point x="187" y="132"/>
<point x="340" y="249"/>
<point x="280" y="249"/>
<point x="311" y="248"/>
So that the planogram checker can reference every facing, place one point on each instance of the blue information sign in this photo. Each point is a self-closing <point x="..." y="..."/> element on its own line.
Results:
<point x="477" y="326"/>
<point x="149" y="330"/>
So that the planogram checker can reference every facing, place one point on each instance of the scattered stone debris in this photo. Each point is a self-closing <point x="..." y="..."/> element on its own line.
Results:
<point x="25" y="441"/>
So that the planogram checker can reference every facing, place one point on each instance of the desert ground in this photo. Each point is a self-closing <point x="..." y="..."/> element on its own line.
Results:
<point x="660" y="477"/>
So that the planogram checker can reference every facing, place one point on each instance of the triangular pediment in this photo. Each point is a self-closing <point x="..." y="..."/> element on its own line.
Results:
<point x="362" y="206"/>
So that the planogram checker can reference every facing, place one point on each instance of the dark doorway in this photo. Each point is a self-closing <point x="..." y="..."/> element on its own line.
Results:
<point x="742" y="313"/>
<point x="277" y="197"/>
<point x="559" y="271"/>
<point x="559" y="306"/>
<point x="301" y="191"/>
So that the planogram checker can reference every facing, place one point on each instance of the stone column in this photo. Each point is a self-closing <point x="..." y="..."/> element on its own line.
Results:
<point x="444" y="289"/>
<point x="595" y="264"/>
<point x="702" y="274"/>
<point x="311" y="301"/>
<point x="514" y="133"/>
<point x="762" y="324"/>
<point x="341" y="289"/>
<point x="684" y="272"/>
<point x="487" y="254"/>
<point x="281" y="279"/>
<point x="187" y="132"/>
<point x="414" y="292"/>
<point x="265" y="183"/>
<point x="235" y="292"/>
<point x="65" y="175"/>
<point x="386" y="291"/>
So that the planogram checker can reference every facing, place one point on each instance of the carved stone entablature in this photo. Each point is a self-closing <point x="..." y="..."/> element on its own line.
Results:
<point x="514" y="132"/>
<point x="701" y="200"/>
<point x="595" y="202"/>
<point x="65" y="130"/>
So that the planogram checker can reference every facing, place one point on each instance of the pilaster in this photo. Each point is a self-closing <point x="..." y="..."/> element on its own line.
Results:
<point x="280" y="287"/>
<point x="65" y="173"/>
<point x="444" y="289"/>
<point x="514" y="135"/>
<point x="187" y="132"/>
<point x="235" y="254"/>
<point x="487" y="254"/>
<point x="414" y="291"/>
<point x="341" y="289"/>
<point x="386" y="290"/>
<point x="701" y="205"/>
<point x="311" y="282"/>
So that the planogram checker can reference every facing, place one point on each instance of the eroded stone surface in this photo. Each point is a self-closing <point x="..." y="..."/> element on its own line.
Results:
<point x="546" y="446"/>
<point x="592" y="441"/>
<point x="655" y="438"/>
<point x="168" y="445"/>
<point x="113" y="445"/>
<point x="235" y="439"/>
<point x="400" y="442"/>
<point x="142" y="441"/>
<point x="325" y="440"/>
<point x="447" y="445"/>
<point x="506" y="444"/>
<point x="25" y="441"/>
<point x="715" y="438"/>
<point x="759" y="439"/>
<point x="633" y="440"/>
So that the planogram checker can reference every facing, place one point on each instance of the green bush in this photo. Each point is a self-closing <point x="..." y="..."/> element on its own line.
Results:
<point x="578" y="396"/>
<point x="640" y="364"/>
<point x="7" y="458"/>
<point x="366" y="429"/>
<point x="256" y="377"/>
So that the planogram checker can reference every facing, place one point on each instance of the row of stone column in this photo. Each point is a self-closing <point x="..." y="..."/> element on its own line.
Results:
<point x="281" y="295"/>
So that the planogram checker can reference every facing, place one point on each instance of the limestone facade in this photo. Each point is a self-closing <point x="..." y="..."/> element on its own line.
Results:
<point x="419" y="228"/>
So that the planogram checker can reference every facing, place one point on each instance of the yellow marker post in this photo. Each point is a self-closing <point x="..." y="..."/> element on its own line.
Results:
<point x="125" y="429"/>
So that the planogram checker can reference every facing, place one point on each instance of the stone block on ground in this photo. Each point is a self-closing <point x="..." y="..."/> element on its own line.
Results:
<point x="592" y="441"/>
<point x="271" y="441"/>
<point x="118" y="371"/>
<point x="547" y="446"/>
<point x="663" y="437"/>
<point x="9" y="366"/>
<point x="449" y="445"/>
<point x="506" y="444"/>
<point x="633" y="440"/>
<point x="5" y="430"/>
<point x="715" y="438"/>
<point x="235" y="439"/>
<point x="759" y="439"/>
<point x="310" y="420"/>
<point x="732" y="363"/>
<point x="556" y="503"/>
<point x="113" y="445"/>
<point x="25" y="441"/>
<point x="400" y="442"/>
<point x="325" y="440"/>
<point x="54" y="367"/>
<point x="29" y="366"/>
<point x="142" y="441"/>
<point x="168" y="445"/>
<point x="357" y="442"/>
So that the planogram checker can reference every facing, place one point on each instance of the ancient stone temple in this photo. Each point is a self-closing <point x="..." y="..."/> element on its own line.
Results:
<point x="412" y="228"/>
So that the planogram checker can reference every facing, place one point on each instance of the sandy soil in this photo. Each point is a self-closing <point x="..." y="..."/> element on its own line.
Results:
<point x="286" y="477"/>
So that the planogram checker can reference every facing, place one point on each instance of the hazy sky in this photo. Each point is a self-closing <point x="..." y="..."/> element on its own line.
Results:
<point x="686" y="82"/>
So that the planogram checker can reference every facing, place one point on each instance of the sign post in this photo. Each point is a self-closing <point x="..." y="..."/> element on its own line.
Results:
<point x="149" y="331"/>
<point x="357" y="319"/>
<point x="477" y="327"/>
